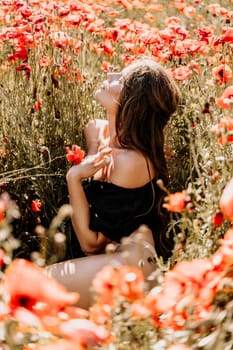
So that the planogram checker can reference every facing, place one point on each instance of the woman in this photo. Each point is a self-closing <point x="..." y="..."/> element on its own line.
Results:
<point x="114" y="192"/>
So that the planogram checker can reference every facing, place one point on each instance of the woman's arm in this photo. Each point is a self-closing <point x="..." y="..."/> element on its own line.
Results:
<point x="90" y="241"/>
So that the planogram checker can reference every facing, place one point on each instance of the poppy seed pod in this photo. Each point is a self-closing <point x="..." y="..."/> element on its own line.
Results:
<point x="226" y="201"/>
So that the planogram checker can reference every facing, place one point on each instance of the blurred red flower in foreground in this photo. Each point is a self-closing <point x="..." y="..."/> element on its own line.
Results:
<point x="177" y="202"/>
<point x="131" y="282"/>
<point x="191" y="284"/>
<point x="75" y="154"/>
<point x="34" y="299"/>
<point x="34" y="287"/>
<point x="127" y="281"/>
<point x="86" y="331"/>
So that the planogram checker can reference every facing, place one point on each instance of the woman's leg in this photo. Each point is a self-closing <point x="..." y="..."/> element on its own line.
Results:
<point x="78" y="274"/>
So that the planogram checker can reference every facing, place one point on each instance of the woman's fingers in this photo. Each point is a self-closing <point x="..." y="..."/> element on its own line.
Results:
<point x="103" y="155"/>
<point x="102" y="162"/>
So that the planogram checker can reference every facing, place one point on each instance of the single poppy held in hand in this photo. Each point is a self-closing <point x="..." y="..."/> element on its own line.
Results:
<point x="74" y="154"/>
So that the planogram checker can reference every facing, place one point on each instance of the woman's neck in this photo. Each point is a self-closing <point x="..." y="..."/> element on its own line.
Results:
<point x="112" y="131"/>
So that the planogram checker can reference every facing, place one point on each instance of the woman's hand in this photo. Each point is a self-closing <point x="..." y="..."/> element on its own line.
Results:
<point x="90" y="165"/>
<point x="90" y="241"/>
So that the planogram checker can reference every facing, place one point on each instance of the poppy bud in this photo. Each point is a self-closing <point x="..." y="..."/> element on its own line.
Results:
<point x="217" y="219"/>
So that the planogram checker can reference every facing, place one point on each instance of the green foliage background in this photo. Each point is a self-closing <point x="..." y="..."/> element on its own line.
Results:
<point x="32" y="142"/>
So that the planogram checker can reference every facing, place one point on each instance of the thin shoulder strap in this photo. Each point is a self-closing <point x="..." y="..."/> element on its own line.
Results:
<point x="152" y="189"/>
<point x="148" y="168"/>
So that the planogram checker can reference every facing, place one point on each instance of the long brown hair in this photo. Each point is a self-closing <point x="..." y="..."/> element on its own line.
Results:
<point x="148" y="98"/>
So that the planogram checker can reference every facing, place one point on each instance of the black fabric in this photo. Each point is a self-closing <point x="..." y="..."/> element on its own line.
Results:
<point x="117" y="211"/>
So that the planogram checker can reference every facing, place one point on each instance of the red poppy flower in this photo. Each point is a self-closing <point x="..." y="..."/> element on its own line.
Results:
<point x="25" y="11"/>
<point x="182" y="73"/>
<point x="105" y="66"/>
<point x="226" y="99"/>
<point x="64" y="11"/>
<point x="20" y="53"/>
<point x="224" y="130"/>
<point x="227" y="35"/>
<point x="131" y="282"/>
<point x="194" y="66"/>
<point x="36" y="205"/>
<point x="217" y="219"/>
<point x="222" y="74"/>
<point x="189" y="11"/>
<point x="35" y="286"/>
<point x="37" y="106"/>
<point x="185" y="47"/>
<point x="104" y="284"/>
<point x="111" y="33"/>
<point x="74" y="155"/>
<point x="204" y="33"/>
<point x="44" y="61"/>
<point x="180" y="4"/>
<point x="177" y="202"/>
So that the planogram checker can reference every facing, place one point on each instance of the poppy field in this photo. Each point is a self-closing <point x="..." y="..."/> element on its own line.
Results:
<point x="53" y="55"/>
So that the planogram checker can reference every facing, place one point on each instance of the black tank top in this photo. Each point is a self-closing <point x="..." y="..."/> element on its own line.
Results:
<point x="118" y="211"/>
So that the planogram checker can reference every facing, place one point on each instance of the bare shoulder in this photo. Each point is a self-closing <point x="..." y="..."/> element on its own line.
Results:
<point x="129" y="168"/>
